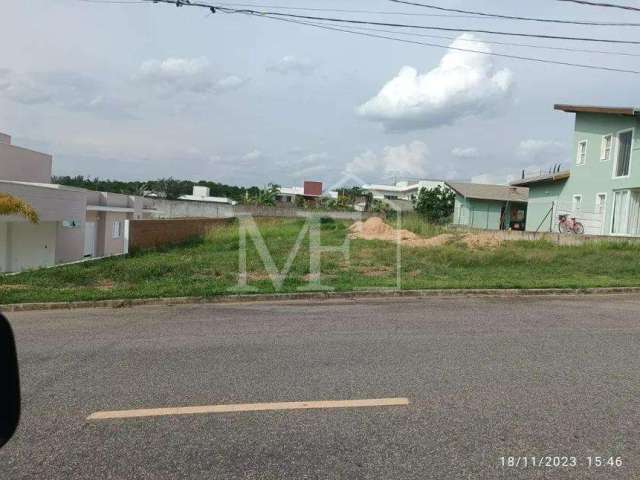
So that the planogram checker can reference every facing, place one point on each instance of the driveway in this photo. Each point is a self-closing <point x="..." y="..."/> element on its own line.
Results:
<point x="484" y="379"/>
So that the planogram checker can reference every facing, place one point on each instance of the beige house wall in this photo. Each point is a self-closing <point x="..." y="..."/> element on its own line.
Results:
<point x="24" y="165"/>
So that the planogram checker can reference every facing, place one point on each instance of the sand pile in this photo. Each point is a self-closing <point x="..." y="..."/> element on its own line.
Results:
<point x="375" y="229"/>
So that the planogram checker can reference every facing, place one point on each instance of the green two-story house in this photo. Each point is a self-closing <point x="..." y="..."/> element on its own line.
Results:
<point x="602" y="187"/>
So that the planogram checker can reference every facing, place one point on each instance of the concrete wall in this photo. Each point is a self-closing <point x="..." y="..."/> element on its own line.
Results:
<point x="26" y="245"/>
<point x="187" y="209"/>
<point x="556" y="238"/>
<point x="168" y="209"/>
<point x="260" y="211"/>
<point x="145" y="234"/>
<point x="24" y="165"/>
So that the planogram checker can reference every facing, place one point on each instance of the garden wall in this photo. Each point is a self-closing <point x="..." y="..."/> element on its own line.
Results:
<point x="556" y="238"/>
<point x="194" y="209"/>
<point x="148" y="234"/>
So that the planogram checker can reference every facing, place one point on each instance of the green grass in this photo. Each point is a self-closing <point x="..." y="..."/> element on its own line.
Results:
<point x="416" y="224"/>
<point x="210" y="267"/>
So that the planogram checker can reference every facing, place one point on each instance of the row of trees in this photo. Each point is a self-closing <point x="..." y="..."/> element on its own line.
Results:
<point x="169" y="188"/>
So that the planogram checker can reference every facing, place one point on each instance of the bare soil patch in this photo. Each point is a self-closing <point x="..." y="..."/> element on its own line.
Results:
<point x="376" y="229"/>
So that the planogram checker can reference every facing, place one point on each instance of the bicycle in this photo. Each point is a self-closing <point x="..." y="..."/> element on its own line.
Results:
<point x="566" y="224"/>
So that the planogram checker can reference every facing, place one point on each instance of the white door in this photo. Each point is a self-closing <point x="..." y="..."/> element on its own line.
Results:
<point x="90" y="234"/>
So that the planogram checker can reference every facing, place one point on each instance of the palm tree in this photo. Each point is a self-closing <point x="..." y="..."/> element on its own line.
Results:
<point x="10" y="205"/>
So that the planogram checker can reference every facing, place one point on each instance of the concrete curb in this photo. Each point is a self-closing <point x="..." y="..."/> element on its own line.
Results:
<point x="318" y="296"/>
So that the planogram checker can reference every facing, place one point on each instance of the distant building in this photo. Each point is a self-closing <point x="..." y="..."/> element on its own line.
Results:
<point x="403" y="190"/>
<point x="201" y="194"/>
<point x="310" y="192"/>
<point x="402" y="193"/>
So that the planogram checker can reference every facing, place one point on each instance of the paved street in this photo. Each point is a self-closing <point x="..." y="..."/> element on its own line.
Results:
<point x="485" y="378"/>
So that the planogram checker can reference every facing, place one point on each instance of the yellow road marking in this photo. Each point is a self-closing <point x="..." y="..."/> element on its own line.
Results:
<point x="249" y="407"/>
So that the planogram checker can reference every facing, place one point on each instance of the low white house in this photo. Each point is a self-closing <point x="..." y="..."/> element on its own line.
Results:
<point x="202" y="194"/>
<point x="74" y="222"/>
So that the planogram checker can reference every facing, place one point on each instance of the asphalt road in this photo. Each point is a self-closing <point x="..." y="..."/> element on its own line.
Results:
<point x="486" y="378"/>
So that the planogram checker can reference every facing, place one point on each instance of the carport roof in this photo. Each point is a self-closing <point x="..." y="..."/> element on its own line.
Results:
<point x="550" y="177"/>
<point x="480" y="191"/>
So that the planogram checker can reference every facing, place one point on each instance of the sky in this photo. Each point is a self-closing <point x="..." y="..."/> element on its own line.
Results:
<point x="144" y="91"/>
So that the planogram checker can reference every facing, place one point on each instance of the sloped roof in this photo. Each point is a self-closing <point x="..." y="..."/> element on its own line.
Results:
<point x="482" y="191"/>
<point x="551" y="177"/>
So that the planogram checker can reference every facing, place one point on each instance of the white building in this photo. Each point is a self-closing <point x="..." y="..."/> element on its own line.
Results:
<point x="202" y="194"/>
<point x="404" y="190"/>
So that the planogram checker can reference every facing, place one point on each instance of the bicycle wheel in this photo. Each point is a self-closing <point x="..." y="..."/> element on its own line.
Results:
<point x="578" y="228"/>
<point x="562" y="227"/>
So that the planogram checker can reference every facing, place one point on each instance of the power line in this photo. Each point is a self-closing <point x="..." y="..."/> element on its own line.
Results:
<point x="343" y="10"/>
<point x="446" y="47"/>
<point x="602" y="4"/>
<point x="121" y="2"/>
<point x="414" y="34"/>
<point x="214" y="8"/>
<point x="401" y="25"/>
<point x="510" y="17"/>
<point x="495" y="42"/>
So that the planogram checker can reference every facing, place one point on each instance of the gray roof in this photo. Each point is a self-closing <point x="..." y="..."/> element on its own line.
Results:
<point x="482" y="191"/>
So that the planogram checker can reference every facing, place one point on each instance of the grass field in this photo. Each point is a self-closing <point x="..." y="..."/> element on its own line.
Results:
<point x="210" y="267"/>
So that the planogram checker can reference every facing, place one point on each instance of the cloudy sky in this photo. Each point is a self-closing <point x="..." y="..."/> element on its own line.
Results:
<point x="145" y="91"/>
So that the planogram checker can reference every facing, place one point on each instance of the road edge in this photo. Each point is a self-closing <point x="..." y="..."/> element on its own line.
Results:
<point x="352" y="295"/>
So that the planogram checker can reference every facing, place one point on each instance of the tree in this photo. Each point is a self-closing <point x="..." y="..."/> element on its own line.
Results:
<point x="435" y="204"/>
<point x="267" y="195"/>
<point x="10" y="205"/>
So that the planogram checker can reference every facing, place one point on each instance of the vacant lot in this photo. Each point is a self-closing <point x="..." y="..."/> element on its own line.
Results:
<point x="210" y="267"/>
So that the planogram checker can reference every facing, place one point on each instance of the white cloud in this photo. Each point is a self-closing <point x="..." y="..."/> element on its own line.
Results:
<point x="465" y="152"/>
<point x="253" y="155"/>
<point x="193" y="75"/>
<point x="463" y="84"/>
<point x="499" y="178"/>
<point x="291" y="64"/>
<point x="543" y="151"/>
<point x="68" y="90"/>
<point x="535" y="157"/>
<point x="402" y="160"/>
<point x="314" y="158"/>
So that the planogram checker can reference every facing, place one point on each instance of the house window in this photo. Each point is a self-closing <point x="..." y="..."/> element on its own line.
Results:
<point x="605" y="149"/>
<point x="601" y="201"/>
<point x="577" y="204"/>
<point x="116" y="231"/>
<point x="623" y="157"/>
<point x="581" y="157"/>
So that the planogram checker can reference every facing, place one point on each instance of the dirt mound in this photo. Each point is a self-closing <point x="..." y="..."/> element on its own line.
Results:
<point x="481" y="240"/>
<point x="376" y="229"/>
